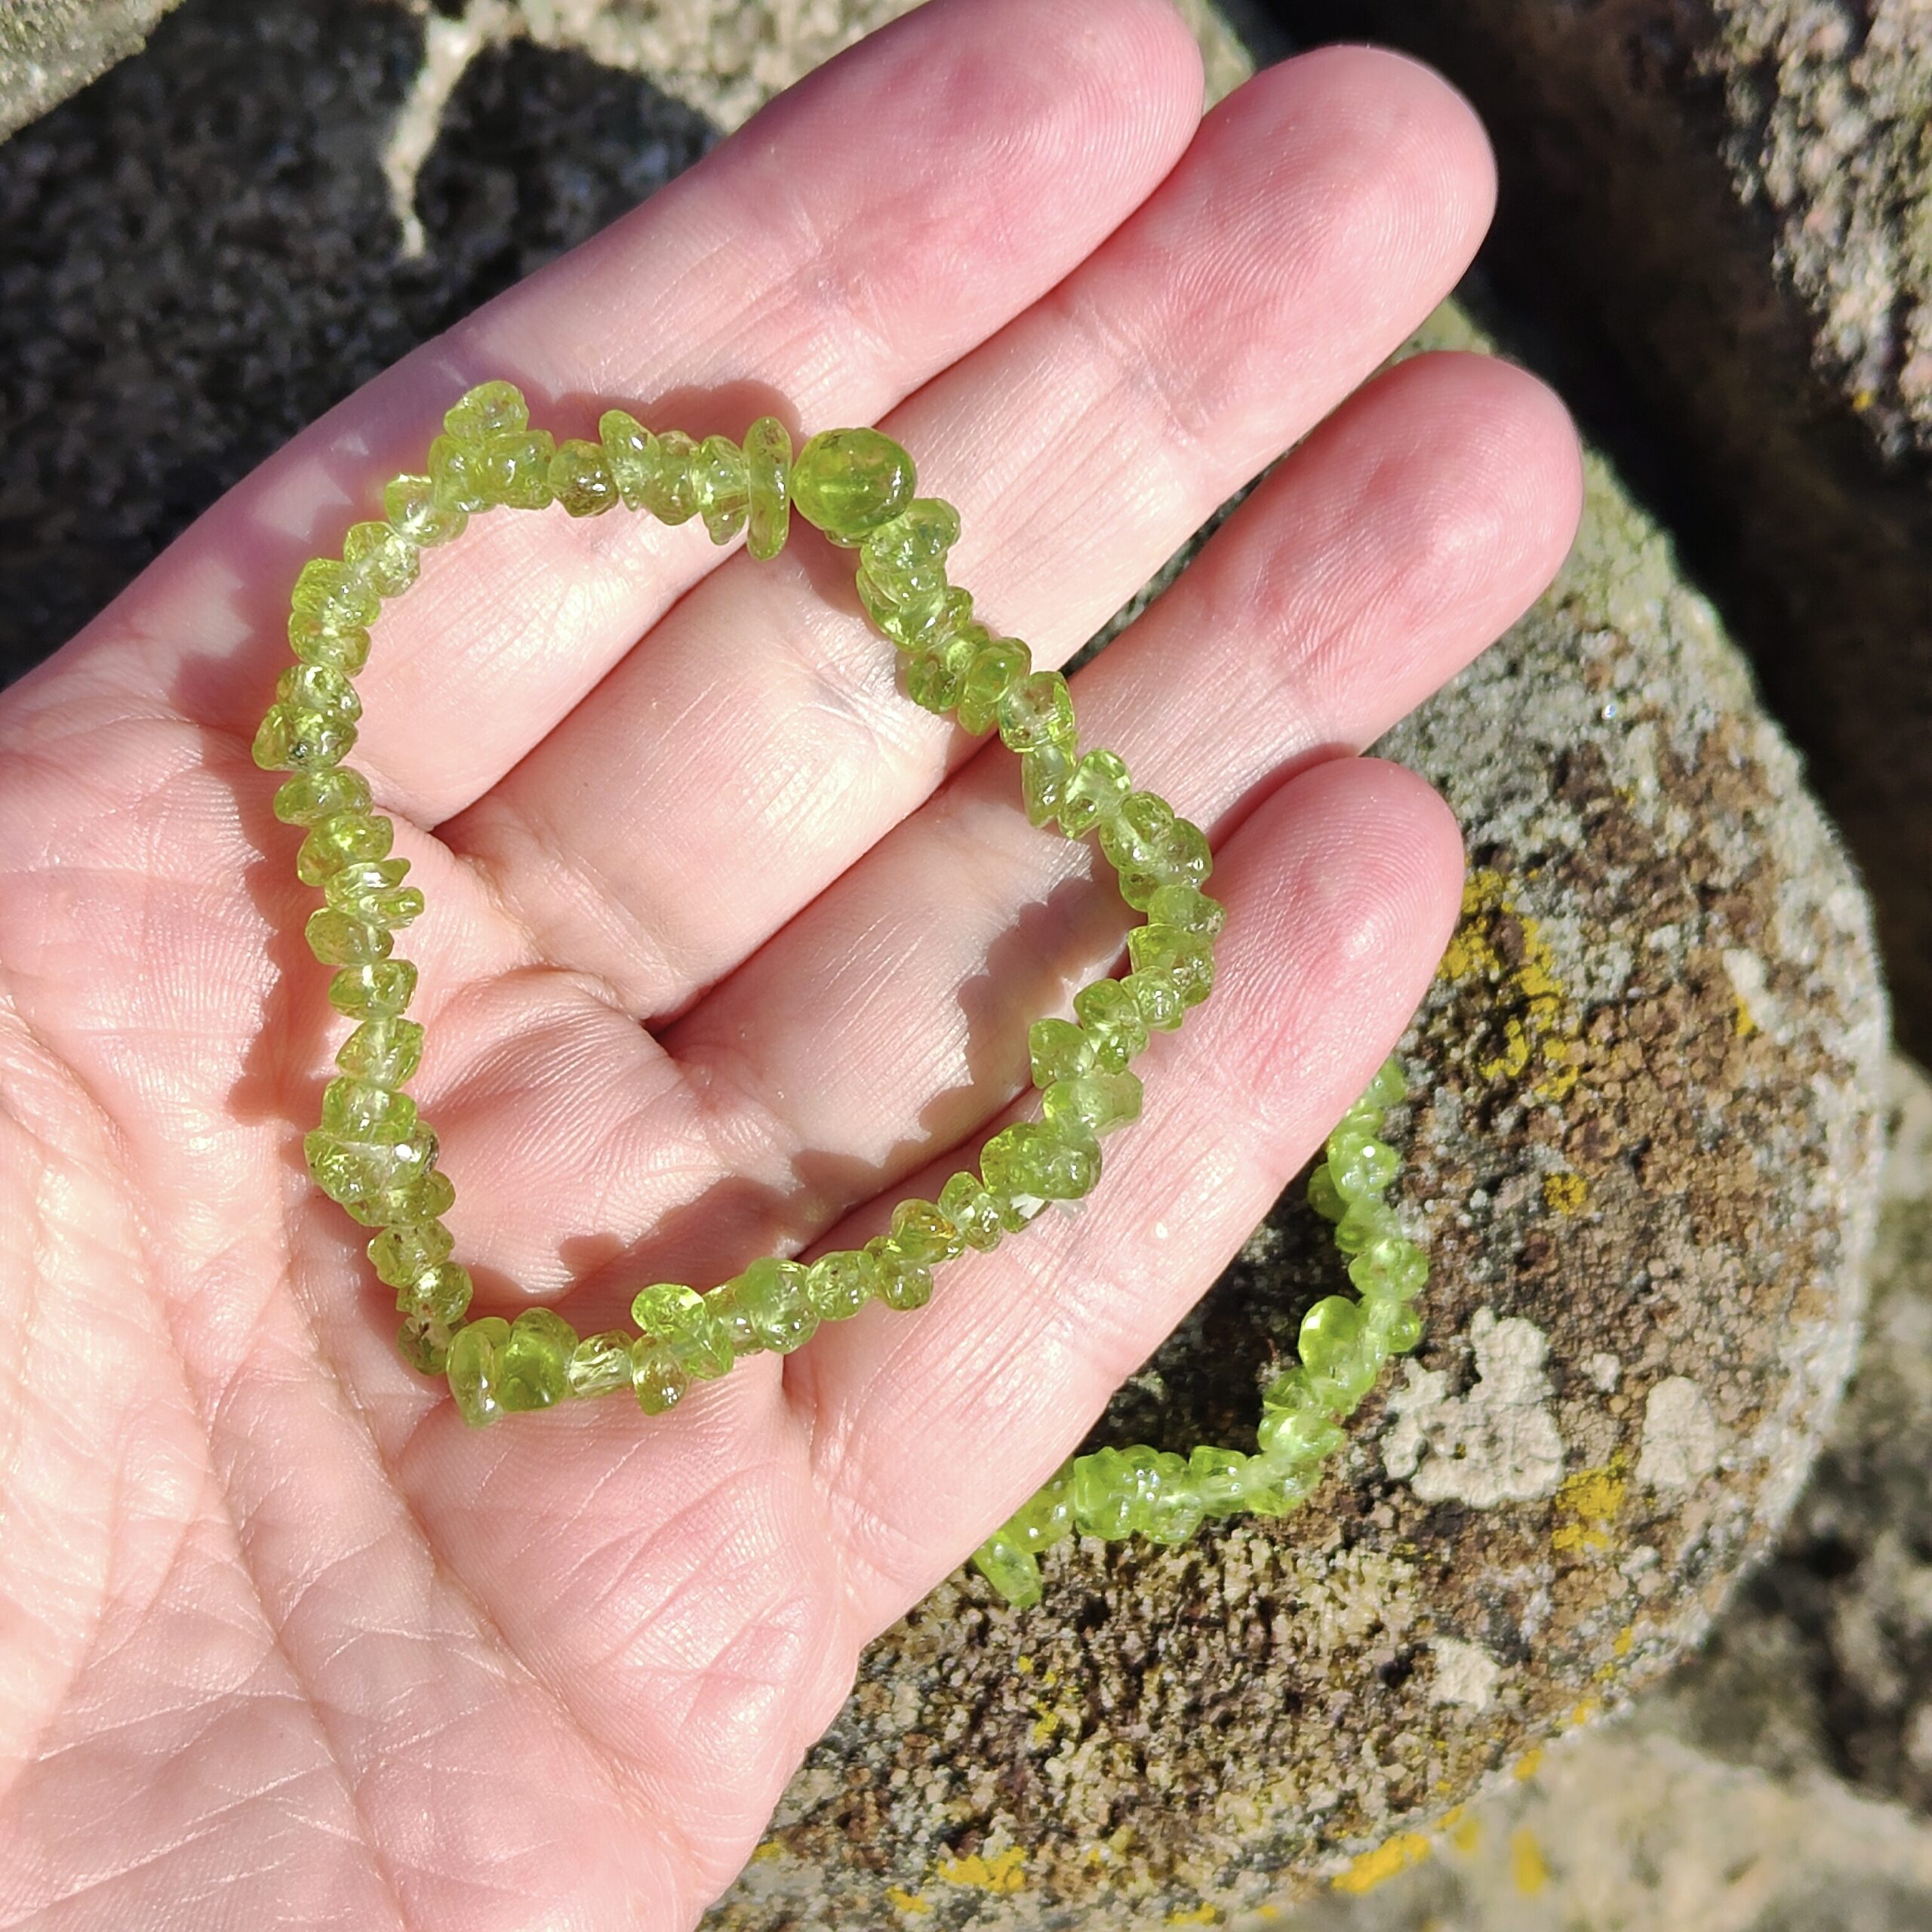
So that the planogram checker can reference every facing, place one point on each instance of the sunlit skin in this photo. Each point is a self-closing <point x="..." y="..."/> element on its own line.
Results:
<point x="728" y="947"/>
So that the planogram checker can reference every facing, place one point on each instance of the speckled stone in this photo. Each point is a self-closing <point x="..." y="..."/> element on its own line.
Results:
<point x="1720" y="212"/>
<point x="50" y="48"/>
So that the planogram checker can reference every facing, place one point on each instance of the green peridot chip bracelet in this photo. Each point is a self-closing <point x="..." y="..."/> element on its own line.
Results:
<point x="375" y="1155"/>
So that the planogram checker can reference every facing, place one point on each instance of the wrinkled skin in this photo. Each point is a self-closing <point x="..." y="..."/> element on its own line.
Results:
<point x="728" y="947"/>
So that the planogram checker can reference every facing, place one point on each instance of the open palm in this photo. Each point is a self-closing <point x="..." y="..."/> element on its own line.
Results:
<point x="728" y="947"/>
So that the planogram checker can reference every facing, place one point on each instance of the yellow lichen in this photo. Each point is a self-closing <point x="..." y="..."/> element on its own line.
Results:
<point x="1199" y="1915"/>
<point x="1624" y="1639"/>
<point x="1371" y="1869"/>
<point x="770" y="1850"/>
<point x="1590" y="1499"/>
<point x="907" y="1901"/>
<point x="1528" y="1764"/>
<point x="1527" y="1865"/>
<point x="1582" y="1711"/>
<point x="1540" y="1026"/>
<point x="1005" y="1871"/>
<point x="1565" y="1194"/>
<point x="1467" y="1835"/>
<point x="1742" y="1023"/>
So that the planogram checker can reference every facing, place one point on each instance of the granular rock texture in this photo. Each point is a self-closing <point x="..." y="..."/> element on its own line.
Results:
<point x="1721" y="210"/>
<point x="50" y="48"/>
<point x="1643" y="1148"/>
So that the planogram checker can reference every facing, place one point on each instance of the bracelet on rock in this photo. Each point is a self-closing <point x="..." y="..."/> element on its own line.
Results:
<point x="374" y="1155"/>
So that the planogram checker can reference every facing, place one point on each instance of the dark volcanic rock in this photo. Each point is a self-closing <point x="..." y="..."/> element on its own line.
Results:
<point x="50" y="48"/>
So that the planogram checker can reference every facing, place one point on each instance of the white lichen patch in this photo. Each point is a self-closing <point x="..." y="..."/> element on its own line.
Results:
<point x="1680" y="1442"/>
<point x="1498" y="1444"/>
<point x="1604" y="1370"/>
<point x="1465" y="1673"/>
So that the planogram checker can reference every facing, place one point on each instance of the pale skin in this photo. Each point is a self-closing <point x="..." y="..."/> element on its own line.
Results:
<point x="728" y="947"/>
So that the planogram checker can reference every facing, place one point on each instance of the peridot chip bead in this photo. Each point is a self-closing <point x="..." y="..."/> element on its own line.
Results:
<point x="1047" y="1519"/>
<point x="343" y="648"/>
<point x="838" y="1284"/>
<point x="1360" y="1163"/>
<point x="1390" y="1268"/>
<point x="357" y="1110"/>
<point x="459" y="479"/>
<point x="686" y="1326"/>
<point x="1392" y="1326"/>
<point x="995" y="669"/>
<point x="1278" y="1489"/>
<point x="1324" y="1196"/>
<point x="425" y="1344"/>
<point x="580" y="478"/>
<point x="472" y="1369"/>
<point x="1138" y="832"/>
<point x="441" y="1291"/>
<point x="318" y="688"/>
<point x="767" y="487"/>
<point x="292" y="740"/>
<point x="1011" y="1567"/>
<point x="1058" y="1050"/>
<point x="384" y="1052"/>
<point x="338" y="839"/>
<point x="1390" y="1085"/>
<point x="721" y="484"/>
<point x="903" y="1283"/>
<point x="515" y="468"/>
<point x="1036" y="711"/>
<point x="331" y="592"/>
<point x="1188" y="910"/>
<point x="657" y="1381"/>
<point x="371" y="891"/>
<point x="770" y="1295"/>
<point x="1096" y="792"/>
<point x="1056" y="1162"/>
<point x="600" y="1363"/>
<point x="935" y="678"/>
<point x="375" y="989"/>
<point x="847" y="482"/>
<point x="422" y="1197"/>
<point x="337" y="939"/>
<point x="631" y="451"/>
<point x="965" y="1202"/>
<point x="670" y="492"/>
<point x="357" y="1174"/>
<point x="400" y="1255"/>
<point x="1111" y="1018"/>
<point x="907" y="556"/>
<point x="533" y="1363"/>
<point x="485" y="410"/>
<point x="414" y="510"/>
<point x="1045" y="772"/>
<point x="1185" y="960"/>
<point x="1368" y="1220"/>
<point x="1159" y="1000"/>
<point x="1220" y="1479"/>
<point x="1182" y="858"/>
<point x="1328" y="1332"/>
<point x="922" y="1234"/>
<point x="313" y="795"/>
<point x="1093" y="1103"/>
<point x="380" y="558"/>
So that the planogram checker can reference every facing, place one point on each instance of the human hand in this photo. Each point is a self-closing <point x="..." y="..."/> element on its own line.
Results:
<point x="725" y="939"/>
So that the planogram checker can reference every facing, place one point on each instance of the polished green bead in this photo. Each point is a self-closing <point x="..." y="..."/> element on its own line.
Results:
<point x="1219" y="1476"/>
<point x="425" y="1197"/>
<point x="1105" y="1495"/>
<point x="459" y="477"/>
<point x="360" y="1174"/>
<point x="903" y="1283"/>
<point x="923" y="1235"/>
<point x="400" y="1255"/>
<point x="425" y="1344"/>
<point x="533" y="1365"/>
<point x="381" y="558"/>
<point x="995" y="669"/>
<point x="721" y="486"/>
<point x="1175" y="1509"/>
<point x="515" y="468"/>
<point x="328" y="591"/>
<point x="1139" y="832"/>
<point x="486" y="410"/>
<point x="1362" y="1164"/>
<point x="1346" y="1380"/>
<point x="1188" y="910"/>
<point x="1389" y="1086"/>
<point x="684" y="1324"/>
<point x="1045" y="771"/>
<point x="907" y="556"/>
<point x="1394" y="1326"/>
<point x="1278" y="1489"/>
<point x="1186" y="960"/>
<point x="340" y="839"/>
<point x="771" y="1294"/>
<point x="1058" y="1050"/>
<point x="1324" y="1196"/>
<point x="1056" y="1162"/>
<point x="1094" y="1104"/>
<point x="1096" y="792"/>
<point x="631" y="451"/>
<point x="1158" y="999"/>
<point x="768" y="486"/>
<point x="846" y="482"/>
<point x="342" y="648"/>
<point x="318" y="688"/>
<point x="1110" y="1017"/>
<point x="657" y="1381"/>
<point x="356" y="1110"/>
<point x="670" y="492"/>
<point x="336" y="940"/>
<point x="472" y="1369"/>
<point x="967" y="1205"/>
<point x="1038" y="710"/>
<point x="926" y="623"/>
<point x="1184" y="858"/>
<point x="371" y="891"/>
<point x="934" y="678"/>
<point x="1390" y="1268"/>
<point x="1328" y="1331"/>
<point x="441" y="1291"/>
<point x="600" y="1363"/>
<point x="838" y="1284"/>
<point x="1285" y="1436"/>
<point x="1010" y="1568"/>
<point x="375" y="989"/>
<point x="414" y="511"/>
<point x="580" y="479"/>
<point x="296" y="741"/>
<point x="314" y="796"/>
<point x="1046" y="1518"/>
<point x="1370" y="1219"/>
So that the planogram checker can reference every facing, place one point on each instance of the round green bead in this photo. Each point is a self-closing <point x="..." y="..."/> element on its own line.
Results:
<point x="846" y="482"/>
<point x="472" y="1369"/>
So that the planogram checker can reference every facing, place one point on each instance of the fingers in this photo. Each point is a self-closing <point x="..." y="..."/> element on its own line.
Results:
<point x="861" y="233"/>
<point x="1342" y="891"/>
<point x="891" y="1017"/>
<point x="1319" y="214"/>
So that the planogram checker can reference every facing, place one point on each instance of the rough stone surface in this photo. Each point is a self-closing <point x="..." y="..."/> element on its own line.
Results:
<point x="1721" y="210"/>
<point x="50" y="48"/>
<point x="1644" y="1151"/>
<point x="1758" y="1788"/>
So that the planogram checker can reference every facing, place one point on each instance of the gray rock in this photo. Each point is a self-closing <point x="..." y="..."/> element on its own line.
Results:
<point x="1722" y="214"/>
<point x="48" y="48"/>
